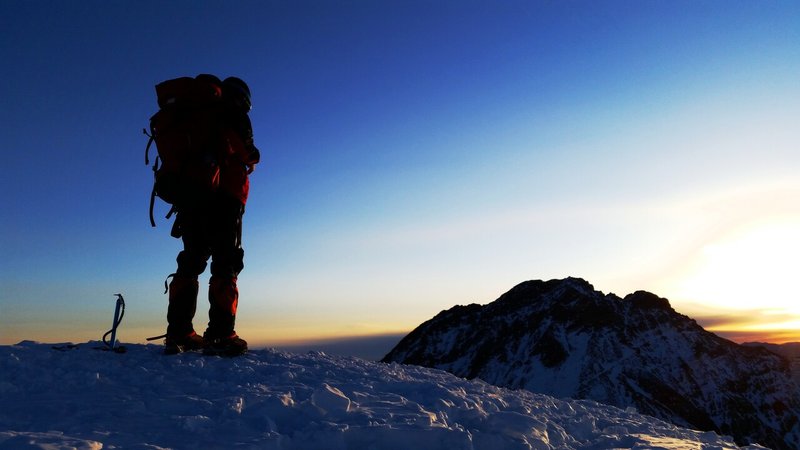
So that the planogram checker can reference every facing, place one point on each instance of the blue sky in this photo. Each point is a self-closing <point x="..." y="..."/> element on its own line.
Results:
<point x="416" y="155"/>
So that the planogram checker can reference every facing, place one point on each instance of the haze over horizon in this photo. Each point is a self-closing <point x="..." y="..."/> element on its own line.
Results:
<point x="415" y="155"/>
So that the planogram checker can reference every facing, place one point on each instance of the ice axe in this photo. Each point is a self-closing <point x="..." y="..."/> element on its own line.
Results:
<point x="119" y="313"/>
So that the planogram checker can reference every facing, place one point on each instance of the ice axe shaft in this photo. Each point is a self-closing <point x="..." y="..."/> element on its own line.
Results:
<point x="117" y="320"/>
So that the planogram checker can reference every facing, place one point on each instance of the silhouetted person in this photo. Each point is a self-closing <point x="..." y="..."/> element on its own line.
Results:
<point x="210" y="226"/>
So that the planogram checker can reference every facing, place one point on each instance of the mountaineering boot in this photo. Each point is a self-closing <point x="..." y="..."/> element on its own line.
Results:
<point x="180" y="312"/>
<point x="231" y="345"/>
<point x="221" y="339"/>
<point x="179" y="344"/>
<point x="223" y="299"/>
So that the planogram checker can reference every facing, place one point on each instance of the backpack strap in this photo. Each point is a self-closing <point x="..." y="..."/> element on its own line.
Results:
<point x="155" y="168"/>
<point x="152" y="203"/>
<point x="147" y="148"/>
<point x="171" y="211"/>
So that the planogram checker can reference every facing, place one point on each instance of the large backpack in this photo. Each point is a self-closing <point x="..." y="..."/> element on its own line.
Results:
<point x="190" y="139"/>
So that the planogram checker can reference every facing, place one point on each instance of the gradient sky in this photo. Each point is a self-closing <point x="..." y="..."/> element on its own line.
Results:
<point x="416" y="155"/>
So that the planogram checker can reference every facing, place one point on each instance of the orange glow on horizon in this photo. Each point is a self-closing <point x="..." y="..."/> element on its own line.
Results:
<point x="753" y="326"/>
<point x="771" y="337"/>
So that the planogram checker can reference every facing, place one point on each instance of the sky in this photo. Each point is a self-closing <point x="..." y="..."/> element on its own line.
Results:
<point x="416" y="155"/>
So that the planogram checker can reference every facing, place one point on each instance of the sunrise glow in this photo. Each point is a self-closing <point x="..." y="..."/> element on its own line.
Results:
<point x="750" y="272"/>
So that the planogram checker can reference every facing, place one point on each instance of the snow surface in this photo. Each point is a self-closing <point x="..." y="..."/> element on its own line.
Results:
<point x="81" y="398"/>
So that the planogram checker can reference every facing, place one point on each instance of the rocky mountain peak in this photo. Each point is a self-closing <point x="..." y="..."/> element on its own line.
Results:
<point x="647" y="300"/>
<point x="564" y="338"/>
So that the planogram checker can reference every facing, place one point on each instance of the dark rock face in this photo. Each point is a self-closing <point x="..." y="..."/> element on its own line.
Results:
<point x="789" y="350"/>
<point x="563" y="338"/>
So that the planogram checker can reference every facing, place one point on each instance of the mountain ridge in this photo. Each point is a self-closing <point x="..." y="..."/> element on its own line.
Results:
<point x="566" y="339"/>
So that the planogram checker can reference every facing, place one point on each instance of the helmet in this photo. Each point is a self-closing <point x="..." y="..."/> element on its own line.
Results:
<point x="211" y="83"/>
<point x="208" y="78"/>
<point x="238" y="92"/>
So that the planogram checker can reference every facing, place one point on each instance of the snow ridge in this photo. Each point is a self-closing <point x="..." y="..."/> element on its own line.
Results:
<point x="564" y="338"/>
<point x="80" y="398"/>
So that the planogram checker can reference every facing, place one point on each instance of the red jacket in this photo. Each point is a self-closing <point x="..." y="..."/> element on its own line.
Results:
<point x="242" y="156"/>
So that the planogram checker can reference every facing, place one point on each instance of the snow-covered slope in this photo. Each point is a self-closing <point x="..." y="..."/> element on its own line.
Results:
<point x="81" y="398"/>
<point x="565" y="339"/>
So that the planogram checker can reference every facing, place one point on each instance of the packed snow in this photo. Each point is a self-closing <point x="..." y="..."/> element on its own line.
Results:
<point x="78" y="397"/>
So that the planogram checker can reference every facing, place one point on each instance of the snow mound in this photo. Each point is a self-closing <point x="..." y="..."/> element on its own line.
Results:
<point x="80" y="398"/>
